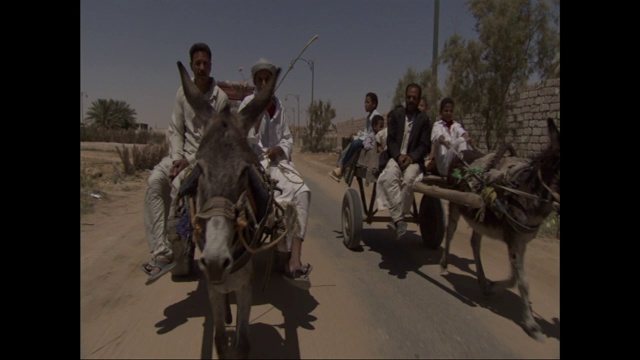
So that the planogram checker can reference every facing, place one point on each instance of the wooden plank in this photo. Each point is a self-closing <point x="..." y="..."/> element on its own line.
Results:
<point x="435" y="180"/>
<point x="459" y="197"/>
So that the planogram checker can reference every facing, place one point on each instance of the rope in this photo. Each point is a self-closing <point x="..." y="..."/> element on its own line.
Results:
<point x="287" y="169"/>
<point x="220" y="206"/>
<point x="490" y="197"/>
<point x="284" y="169"/>
<point x="554" y="194"/>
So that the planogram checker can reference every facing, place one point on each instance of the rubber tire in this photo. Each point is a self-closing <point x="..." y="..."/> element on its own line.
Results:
<point x="351" y="219"/>
<point x="432" y="222"/>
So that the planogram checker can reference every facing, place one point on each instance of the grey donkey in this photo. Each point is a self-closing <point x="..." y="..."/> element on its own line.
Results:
<point x="224" y="164"/>
<point x="519" y="194"/>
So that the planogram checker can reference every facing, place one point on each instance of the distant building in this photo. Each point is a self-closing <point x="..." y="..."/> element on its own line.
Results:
<point x="141" y="126"/>
<point x="236" y="92"/>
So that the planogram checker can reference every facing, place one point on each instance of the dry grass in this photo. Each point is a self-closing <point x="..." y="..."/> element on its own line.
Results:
<point x="95" y="134"/>
<point x="89" y="186"/>
<point x="141" y="158"/>
<point x="108" y="167"/>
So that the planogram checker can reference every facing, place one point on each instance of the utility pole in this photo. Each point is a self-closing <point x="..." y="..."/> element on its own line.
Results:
<point x="311" y="67"/>
<point x="298" y="104"/>
<point x="310" y="63"/>
<point x="82" y="96"/>
<point x="436" y="19"/>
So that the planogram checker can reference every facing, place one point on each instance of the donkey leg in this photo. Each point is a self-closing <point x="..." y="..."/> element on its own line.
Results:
<point x="489" y="287"/>
<point x="244" y="276"/>
<point x="218" y="305"/>
<point x="243" y="313"/>
<point x="485" y="285"/>
<point x="452" y="225"/>
<point x="516" y="256"/>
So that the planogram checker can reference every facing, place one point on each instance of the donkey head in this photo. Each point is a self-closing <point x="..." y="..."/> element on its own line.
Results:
<point x="222" y="166"/>
<point x="549" y="164"/>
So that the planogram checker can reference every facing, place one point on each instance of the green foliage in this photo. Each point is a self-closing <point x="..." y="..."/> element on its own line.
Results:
<point x="469" y="171"/>
<point x="516" y="41"/>
<point x="320" y="116"/>
<point x="111" y="114"/>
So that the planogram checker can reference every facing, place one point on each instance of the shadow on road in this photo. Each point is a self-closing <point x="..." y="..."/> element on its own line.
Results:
<point x="410" y="254"/>
<point x="266" y="342"/>
<point x="506" y="304"/>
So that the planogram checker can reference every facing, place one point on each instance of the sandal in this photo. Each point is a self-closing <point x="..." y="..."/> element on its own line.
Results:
<point x="147" y="267"/>
<point x="299" y="277"/>
<point x="335" y="176"/>
<point x="159" y="267"/>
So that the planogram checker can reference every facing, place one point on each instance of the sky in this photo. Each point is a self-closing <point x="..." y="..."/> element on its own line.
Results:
<point x="129" y="49"/>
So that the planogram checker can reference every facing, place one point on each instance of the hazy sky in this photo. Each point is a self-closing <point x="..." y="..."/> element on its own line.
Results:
<point x="129" y="48"/>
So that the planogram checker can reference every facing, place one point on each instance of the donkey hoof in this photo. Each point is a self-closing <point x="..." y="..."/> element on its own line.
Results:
<point x="443" y="266"/>
<point x="535" y="331"/>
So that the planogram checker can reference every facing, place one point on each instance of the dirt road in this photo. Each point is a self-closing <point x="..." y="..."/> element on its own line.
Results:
<point x="386" y="299"/>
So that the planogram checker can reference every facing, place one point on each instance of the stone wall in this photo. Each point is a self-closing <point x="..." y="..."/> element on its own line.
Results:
<point x="527" y="120"/>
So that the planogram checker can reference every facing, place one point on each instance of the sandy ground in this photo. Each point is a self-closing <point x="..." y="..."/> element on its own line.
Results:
<point x="363" y="304"/>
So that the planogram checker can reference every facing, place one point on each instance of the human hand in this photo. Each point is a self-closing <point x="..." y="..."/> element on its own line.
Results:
<point x="405" y="161"/>
<point x="274" y="152"/>
<point x="178" y="165"/>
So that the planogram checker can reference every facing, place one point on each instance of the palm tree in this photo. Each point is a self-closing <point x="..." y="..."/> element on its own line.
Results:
<point x="111" y="114"/>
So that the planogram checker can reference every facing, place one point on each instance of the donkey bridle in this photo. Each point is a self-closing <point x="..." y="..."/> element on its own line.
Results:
<point x="243" y="213"/>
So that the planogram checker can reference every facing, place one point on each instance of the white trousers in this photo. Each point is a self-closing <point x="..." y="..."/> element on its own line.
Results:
<point x="159" y="203"/>
<point x="294" y="190"/>
<point x="445" y="156"/>
<point x="395" y="188"/>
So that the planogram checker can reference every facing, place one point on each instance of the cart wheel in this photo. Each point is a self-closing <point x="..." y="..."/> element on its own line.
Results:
<point x="431" y="219"/>
<point x="351" y="219"/>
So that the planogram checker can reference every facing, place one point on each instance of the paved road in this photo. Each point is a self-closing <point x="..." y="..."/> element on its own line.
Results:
<point x="383" y="300"/>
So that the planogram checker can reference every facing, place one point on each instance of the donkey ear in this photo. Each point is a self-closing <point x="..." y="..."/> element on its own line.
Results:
<point x="554" y="134"/>
<point x="250" y="114"/>
<point x="195" y="98"/>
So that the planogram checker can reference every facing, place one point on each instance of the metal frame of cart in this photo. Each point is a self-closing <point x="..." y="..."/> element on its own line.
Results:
<point x="356" y="209"/>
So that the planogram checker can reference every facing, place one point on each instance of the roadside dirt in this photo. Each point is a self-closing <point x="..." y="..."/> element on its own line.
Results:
<point x="121" y="318"/>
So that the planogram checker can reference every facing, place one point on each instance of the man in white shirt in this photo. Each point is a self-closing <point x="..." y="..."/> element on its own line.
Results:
<point x="271" y="140"/>
<point x="165" y="178"/>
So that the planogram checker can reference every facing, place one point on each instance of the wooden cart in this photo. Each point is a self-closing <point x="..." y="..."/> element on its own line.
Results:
<point x="357" y="209"/>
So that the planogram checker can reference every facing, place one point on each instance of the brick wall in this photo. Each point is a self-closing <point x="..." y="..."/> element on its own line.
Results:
<point x="527" y="121"/>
